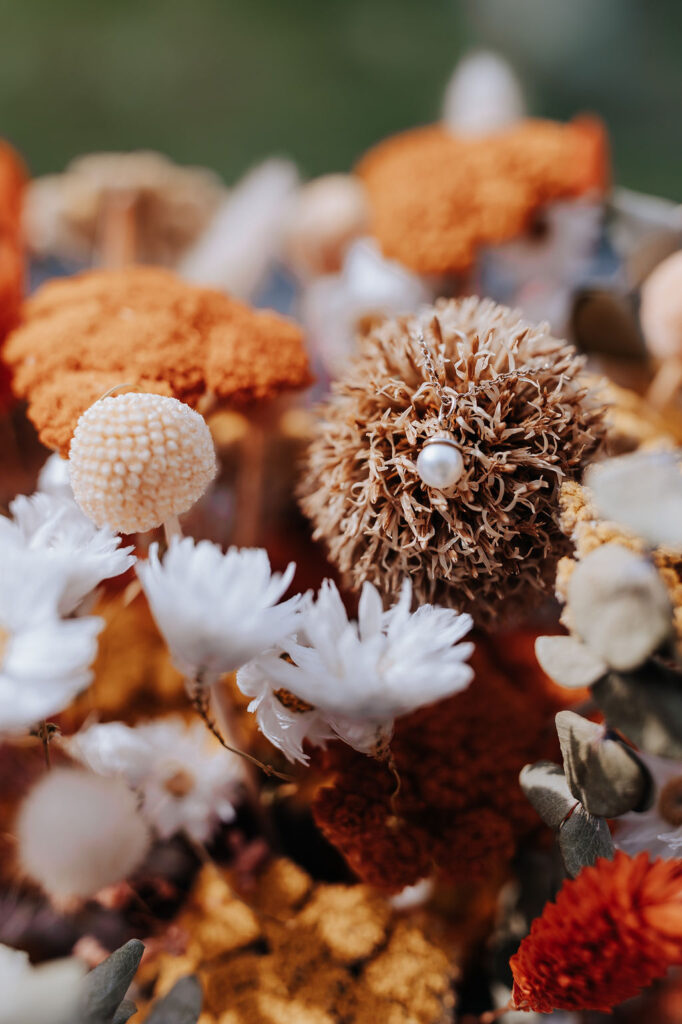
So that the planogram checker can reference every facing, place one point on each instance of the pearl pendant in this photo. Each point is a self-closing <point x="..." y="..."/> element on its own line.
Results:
<point x="440" y="464"/>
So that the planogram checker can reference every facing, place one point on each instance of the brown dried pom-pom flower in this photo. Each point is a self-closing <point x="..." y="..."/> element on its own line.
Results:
<point x="144" y="326"/>
<point x="523" y="421"/>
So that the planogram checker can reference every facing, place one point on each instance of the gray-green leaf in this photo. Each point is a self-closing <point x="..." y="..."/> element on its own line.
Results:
<point x="182" y="1005"/>
<point x="105" y="987"/>
<point x="545" y="786"/>
<point x="126" y="1010"/>
<point x="603" y="774"/>
<point x="582" y="839"/>
<point x="646" y="706"/>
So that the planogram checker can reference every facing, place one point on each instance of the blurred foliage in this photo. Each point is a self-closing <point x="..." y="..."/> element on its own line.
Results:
<point x="226" y="82"/>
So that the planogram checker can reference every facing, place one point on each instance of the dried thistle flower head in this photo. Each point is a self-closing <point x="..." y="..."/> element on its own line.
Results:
<point x="137" y="460"/>
<point x="492" y="539"/>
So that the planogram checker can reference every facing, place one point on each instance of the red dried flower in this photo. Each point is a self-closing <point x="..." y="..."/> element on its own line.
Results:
<point x="612" y="931"/>
<point x="460" y="811"/>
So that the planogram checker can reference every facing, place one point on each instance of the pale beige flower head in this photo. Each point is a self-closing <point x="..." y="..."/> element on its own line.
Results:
<point x="524" y="420"/>
<point x="137" y="460"/>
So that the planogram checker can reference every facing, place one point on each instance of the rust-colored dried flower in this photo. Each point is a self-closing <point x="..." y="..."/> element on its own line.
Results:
<point x="300" y="953"/>
<point x="460" y="811"/>
<point x="493" y="540"/>
<point x="144" y="326"/>
<point x="611" y="931"/>
<point x="436" y="198"/>
<point x="12" y="183"/>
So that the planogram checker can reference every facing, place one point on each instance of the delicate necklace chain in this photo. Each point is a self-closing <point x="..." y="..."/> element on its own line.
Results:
<point x="448" y="402"/>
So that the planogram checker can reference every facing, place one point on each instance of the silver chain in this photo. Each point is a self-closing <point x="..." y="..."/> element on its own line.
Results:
<point x="448" y="403"/>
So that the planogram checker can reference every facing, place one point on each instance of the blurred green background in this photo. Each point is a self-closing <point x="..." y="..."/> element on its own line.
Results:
<point x="226" y="82"/>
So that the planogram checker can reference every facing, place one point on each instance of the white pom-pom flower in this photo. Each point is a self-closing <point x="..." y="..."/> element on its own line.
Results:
<point x="138" y="460"/>
<point x="47" y="994"/>
<point x="80" y="553"/>
<point x="186" y="781"/>
<point x="44" y="661"/>
<point x="216" y="611"/>
<point x="361" y="676"/>
<point x="78" y="832"/>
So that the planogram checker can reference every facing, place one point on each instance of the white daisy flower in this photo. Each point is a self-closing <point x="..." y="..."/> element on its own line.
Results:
<point x="283" y="719"/>
<point x="44" y="661"/>
<point x="217" y="611"/>
<point x="186" y="781"/>
<point x="83" y="554"/>
<point x="658" y="830"/>
<point x="47" y="994"/>
<point x="361" y="676"/>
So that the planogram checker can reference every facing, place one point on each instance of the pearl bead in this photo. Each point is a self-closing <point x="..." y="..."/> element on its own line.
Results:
<point x="440" y="464"/>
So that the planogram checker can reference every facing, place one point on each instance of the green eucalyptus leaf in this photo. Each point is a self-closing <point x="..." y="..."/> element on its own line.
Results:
<point x="603" y="774"/>
<point x="182" y="1005"/>
<point x="105" y="986"/>
<point x="546" y="788"/>
<point x="126" y="1010"/>
<point x="582" y="839"/>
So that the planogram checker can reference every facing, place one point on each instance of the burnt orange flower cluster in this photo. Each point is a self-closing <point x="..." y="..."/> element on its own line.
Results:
<point x="12" y="182"/>
<point x="460" y="811"/>
<point x="435" y="198"/>
<point x="612" y="931"/>
<point x="145" y="326"/>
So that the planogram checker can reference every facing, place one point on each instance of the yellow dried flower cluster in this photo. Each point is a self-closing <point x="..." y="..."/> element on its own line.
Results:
<point x="305" y="953"/>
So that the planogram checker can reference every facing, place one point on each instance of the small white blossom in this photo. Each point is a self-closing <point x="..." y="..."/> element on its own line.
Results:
<point x="46" y="994"/>
<point x="361" y="676"/>
<point x="651" y="830"/>
<point x="83" y="554"/>
<point x="44" y="661"/>
<point x="186" y="780"/>
<point x="217" y="611"/>
<point x="285" y="726"/>
<point x="483" y="96"/>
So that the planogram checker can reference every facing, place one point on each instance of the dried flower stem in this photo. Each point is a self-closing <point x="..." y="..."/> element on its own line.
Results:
<point x="118" y="230"/>
<point x="171" y="529"/>
<point x="492" y="1015"/>
<point x="200" y="697"/>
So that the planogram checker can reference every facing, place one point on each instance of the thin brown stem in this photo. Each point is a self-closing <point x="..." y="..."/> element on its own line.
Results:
<point x="201" y="704"/>
<point x="492" y="1015"/>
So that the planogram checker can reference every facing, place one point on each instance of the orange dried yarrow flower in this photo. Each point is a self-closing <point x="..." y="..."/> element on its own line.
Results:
<point x="460" y="812"/>
<point x="145" y="326"/>
<point x="524" y="419"/>
<point x="435" y="198"/>
<point x="611" y="931"/>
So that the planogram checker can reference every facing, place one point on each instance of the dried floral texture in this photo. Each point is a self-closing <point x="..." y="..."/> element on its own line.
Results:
<point x="301" y="953"/>
<point x="172" y="205"/>
<point x="587" y="532"/>
<point x="460" y="811"/>
<point x="144" y="326"/>
<point x="494" y="540"/>
<point x="612" y="931"/>
<point x="12" y="183"/>
<point x="436" y="198"/>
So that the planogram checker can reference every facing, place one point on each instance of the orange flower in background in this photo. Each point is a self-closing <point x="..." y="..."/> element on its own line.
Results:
<point x="460" y="811"/>
<point x="435" y="198"/>
<point x="12" y="181"/>
<point x="142" y="325"/>
<point x="612" y="931"/>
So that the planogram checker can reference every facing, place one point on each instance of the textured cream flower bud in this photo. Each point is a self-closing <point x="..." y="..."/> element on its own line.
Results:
<point x="137" y="460"/>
